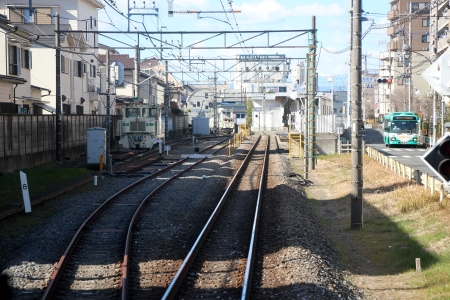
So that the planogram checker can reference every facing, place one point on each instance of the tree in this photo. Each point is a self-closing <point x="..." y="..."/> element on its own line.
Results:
<point x="249" y="117"/>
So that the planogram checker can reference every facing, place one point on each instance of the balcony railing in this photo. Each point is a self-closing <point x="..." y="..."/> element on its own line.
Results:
<point x="394" y="45"/>
<point x="442" y="23"/>
<point x="442" y="44"/>
<point x="91" y="84"/>
<point x="392" y="15"/>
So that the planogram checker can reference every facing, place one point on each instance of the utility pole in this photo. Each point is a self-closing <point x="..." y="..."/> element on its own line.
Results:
<point x="215" y="102"/>
<point x="356" y="197"/>
<point x="58" y="93"/>
<point x="264" y="107"/>
<point x="307" y="125"/>
<point x="137" y="70"/>
<point x="410" y="58"/>
<point x="349" y="81"/>
<point x="108" y="115"/>
<point x="30" y="8"/>
<point x="166" y="103"/>
<point x="311" y="95"/>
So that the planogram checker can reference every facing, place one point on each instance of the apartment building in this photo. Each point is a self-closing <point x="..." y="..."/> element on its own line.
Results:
<point x="405" y="58"/>
<point x="439" y="26"/>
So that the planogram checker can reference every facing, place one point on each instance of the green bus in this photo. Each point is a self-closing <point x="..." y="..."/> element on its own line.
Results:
<point x="401" y="128"/>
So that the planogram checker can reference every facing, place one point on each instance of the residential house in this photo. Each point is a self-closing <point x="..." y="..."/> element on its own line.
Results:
<point x="15" y="65"/>
<point x="78" y="42"/>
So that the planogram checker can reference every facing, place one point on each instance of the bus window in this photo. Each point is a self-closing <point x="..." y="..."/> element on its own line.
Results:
<point x="404" y="127"/>
<point x="132" y="112"/>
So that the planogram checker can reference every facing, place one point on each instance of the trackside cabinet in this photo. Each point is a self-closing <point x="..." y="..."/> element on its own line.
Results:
<point x="96" y="145"/>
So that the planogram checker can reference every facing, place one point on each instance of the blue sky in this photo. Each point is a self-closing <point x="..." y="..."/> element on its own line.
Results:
<point x="332" y="22"/>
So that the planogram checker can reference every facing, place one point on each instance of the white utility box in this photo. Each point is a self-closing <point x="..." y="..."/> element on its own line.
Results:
<point x="200" y="125"/>
<point x="96" y="145"/>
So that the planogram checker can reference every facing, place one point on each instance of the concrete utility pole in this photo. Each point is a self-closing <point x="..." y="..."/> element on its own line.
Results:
<point x="58" y="93"/>
<point x="312" y="95"/>
<point x="108" y="115"/>
<point x="215" y="102"/>
<point x="137" y="70"/>
<point x="349" y="81"/>
<point x="264" y="107"/>
<point x="410" y="58"/>
<point x="356" y="196"/>
<point x="166" y="103"/>
<point x="306" y="152"/>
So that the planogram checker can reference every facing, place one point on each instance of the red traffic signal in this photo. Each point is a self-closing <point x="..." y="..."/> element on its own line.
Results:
<point x="384" y="80"/>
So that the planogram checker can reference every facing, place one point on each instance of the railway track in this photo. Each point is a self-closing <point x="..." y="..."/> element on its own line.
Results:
<point x="91" y="266"/>
<point x="219" y="265"/>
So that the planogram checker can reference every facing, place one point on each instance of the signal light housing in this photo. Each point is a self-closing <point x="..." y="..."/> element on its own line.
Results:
<point x="384" y="80"/>
<point x="438" y="158"/>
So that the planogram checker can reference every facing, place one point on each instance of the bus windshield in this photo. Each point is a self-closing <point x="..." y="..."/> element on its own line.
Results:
<point x="404" y="127"/>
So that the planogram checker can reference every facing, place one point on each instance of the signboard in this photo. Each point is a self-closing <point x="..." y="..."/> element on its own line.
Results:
<point x="411" y="118"/>
<point x="438" y="74"/>
<point x="257" y="57"/>
<point x="367" y="80"/>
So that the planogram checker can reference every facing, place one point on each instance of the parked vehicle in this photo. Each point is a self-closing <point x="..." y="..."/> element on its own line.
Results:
<point x="141" y="126"/>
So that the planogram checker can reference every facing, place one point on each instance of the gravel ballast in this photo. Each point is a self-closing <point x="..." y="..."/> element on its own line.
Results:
<point x="295" y="259"/>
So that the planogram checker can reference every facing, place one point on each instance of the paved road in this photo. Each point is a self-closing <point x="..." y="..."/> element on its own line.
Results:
<point x="402" y="154"/>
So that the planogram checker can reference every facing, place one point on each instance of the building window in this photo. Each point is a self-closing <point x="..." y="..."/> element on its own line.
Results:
<point x="65" y="61"/>
<point x="38" y="16"/>
<point x="92" y="71"/>
<point x="426" y="22"/>
<point x="14" y="60"/>
<point x="66" y="109"/>
<point x="26" y="59"/>
<point x="79" y="110"/>
<point x="77" y="68"/>
<point x="425" y="38"/>
<point x="418" y="6"/>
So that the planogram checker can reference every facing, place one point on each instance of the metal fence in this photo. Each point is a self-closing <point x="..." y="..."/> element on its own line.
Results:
<point x="28" y="134"/>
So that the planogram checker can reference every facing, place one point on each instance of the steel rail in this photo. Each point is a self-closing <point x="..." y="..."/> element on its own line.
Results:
<point x="129" y="239"/>
<point x="62" y="263"/>
<point x="184" y="268"/>
<point x="252" y="249"/>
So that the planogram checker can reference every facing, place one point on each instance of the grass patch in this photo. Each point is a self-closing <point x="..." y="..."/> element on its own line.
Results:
<point x="40" y="179"/>
<point x="402" y="222"/>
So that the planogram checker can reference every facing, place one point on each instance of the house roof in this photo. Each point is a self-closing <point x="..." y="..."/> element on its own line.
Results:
<point x="128" y="62"/>
<point x="13" y="79"/>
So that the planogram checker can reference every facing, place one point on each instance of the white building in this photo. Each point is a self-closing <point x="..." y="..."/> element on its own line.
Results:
<point x="15" y="65"/>
<point x="79" y="66"/>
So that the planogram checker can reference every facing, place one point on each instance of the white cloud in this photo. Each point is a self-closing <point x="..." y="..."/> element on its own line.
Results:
<point x="271" y="11"/>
